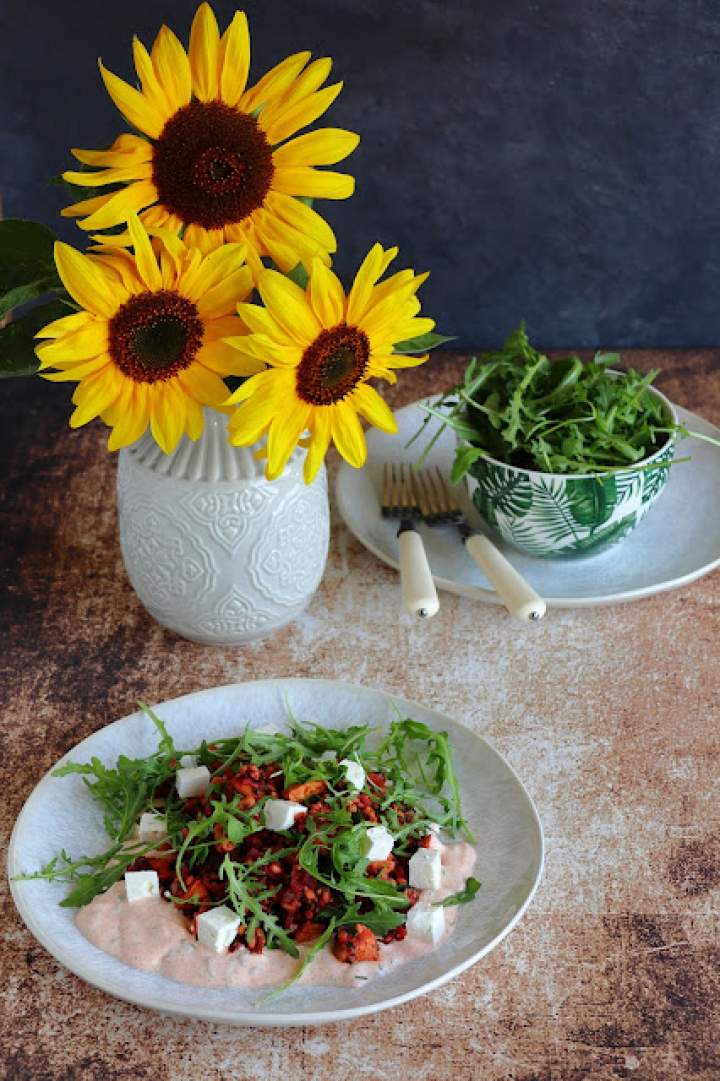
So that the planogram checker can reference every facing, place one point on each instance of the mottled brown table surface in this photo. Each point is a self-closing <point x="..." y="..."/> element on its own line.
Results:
<point x="610" y="715"/>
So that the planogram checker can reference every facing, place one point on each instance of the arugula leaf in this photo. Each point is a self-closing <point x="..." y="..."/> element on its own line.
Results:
<point x="564" y="416"/>
<point x="166" y="743"/>
<point x="308" y="957"/>
<point x="467" y="893"/>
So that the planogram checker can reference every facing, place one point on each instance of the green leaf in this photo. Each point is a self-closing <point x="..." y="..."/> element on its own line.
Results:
<point x="26" y="255"/>
<point x="17" y="339"/>
<point x="564" y="416"/>
<point x="22" y="294"/>
<point x="299" y="275"/>
<point x="465" y="457"/>
<point x="423" y="343"/>
<point x="467" y="893"/>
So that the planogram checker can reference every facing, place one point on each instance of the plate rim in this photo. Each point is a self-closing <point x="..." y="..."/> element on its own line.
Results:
<point x="217" y="1014"/>
<point x="489" y="596"/>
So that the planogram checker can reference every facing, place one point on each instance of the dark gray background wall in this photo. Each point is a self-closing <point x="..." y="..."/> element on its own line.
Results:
<point x="557" y="161"/>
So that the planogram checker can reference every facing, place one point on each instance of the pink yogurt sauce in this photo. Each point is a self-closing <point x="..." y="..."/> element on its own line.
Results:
<point x="152" y="935"/>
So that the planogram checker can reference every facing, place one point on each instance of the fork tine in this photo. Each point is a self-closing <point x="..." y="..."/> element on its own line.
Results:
<point x="451" y="504"/>
<point x="422" y="494"/>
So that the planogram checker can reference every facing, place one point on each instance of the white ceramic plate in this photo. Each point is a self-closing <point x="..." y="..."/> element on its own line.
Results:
<point x="60" y="813"/>
<point x="678" y="542"/>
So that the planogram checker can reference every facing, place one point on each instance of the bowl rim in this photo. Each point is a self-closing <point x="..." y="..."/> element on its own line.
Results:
<point x="598" y="475"/>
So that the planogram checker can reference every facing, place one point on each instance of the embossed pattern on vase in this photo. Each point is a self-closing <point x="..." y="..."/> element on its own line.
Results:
<point x="214" y="551"/>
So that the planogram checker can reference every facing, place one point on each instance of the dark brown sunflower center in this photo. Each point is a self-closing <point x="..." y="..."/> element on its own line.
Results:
<point x="334" y="364"/>
<point x="154" y="336"/>
<point x="212" y="165"/>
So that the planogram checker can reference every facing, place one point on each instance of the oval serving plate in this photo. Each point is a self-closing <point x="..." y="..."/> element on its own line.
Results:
<point x="678" y="541"/>
<point x="60" y="813"/>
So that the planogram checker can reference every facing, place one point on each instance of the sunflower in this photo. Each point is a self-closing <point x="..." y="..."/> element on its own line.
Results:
<point x="321" y="349"/>
<point x="214" y="158"/>
<point x="147" y="344"/>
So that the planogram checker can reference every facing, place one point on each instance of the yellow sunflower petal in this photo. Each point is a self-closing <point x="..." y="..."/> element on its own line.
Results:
<point x="274" y="82"/>
<point x="205" y="240"/>
<point x="94" y="394"/>
<point x="204" y="53"/>
<point x="132" y="416"/>
<point x="167" y="415"/>
<point x="127" y="148"/>
<point x="302" y="217"/>
<point x="223" y="298"/>
<point x="76" y="372"/>
<point x="66" y="324"/>
<point x="130" y="200"/>
<point x="223" y="327"/>
<point x="348" y="435"/>
<point x="303" y="85"/>
<point x="287" y="245"/>
<point x="89" y="341"/>
<point x="397" y="360"/>
<point x="392" y="318"/>
<point x="285" y="430"/>
<point x="259" y="320"/>
<point x="173" y="68"/>
<point x="326" y="295"/>
<point x="372" y="267"/>
<point x="152" y="88"/>
<point x="194" y="419"/>
<point x="85" y="281"/>
<point x="263" y="384"/>
<point x="326" y="146"/>
<point x="203" y="385"/>
<point x="86" y="206"/>
<point x="274" y="243"/>
<point x="235" y="53"/>
<point x="260" y="347"/>
<point x="303" y="180"/>
<point x="288" y="305"/>
<point x="114" y="175"/>
<point x="319" y="441"/>
<point x="221" y="358"/>
<point x="264" y="401"/>
<point x="212" y="271"/>
<point x="132" y="104"/>
<point x="375" y="409"/>
<point x="300" y="114"/>
<point x="145" y="260"/>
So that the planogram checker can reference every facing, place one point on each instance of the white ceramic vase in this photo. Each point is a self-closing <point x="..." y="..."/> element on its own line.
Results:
<point x="214" y="551"/>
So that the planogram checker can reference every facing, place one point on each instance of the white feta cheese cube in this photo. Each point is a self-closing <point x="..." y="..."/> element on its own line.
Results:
<point x="426" y="922"/>
<point x="353" y="773"/>
<point x="151" y="826"/>
<point x="140" y="885"/>
<point x="217" y="928"/>
<point x="192" y="781"/>
<point x="281" y="813"/>
<point x="377" y="843"/>
<point x="425" y="869"/>
<point x="188" y="760"/>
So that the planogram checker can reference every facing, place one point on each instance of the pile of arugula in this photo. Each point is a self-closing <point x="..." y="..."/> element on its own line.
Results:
<point x="415" y="760"/>
<point x="561" y="416"/>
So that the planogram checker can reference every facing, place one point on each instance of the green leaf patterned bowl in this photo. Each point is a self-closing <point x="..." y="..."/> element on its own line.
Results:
<point x="568" y="515"/>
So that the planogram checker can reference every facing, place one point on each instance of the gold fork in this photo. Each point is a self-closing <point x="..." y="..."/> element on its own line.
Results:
<point x="438" y="504"/>
<point x="399" y="501"/>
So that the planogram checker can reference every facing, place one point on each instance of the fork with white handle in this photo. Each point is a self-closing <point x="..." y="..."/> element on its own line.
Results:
<point x="438" y="504"/>
<point x="399" y="501"/>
